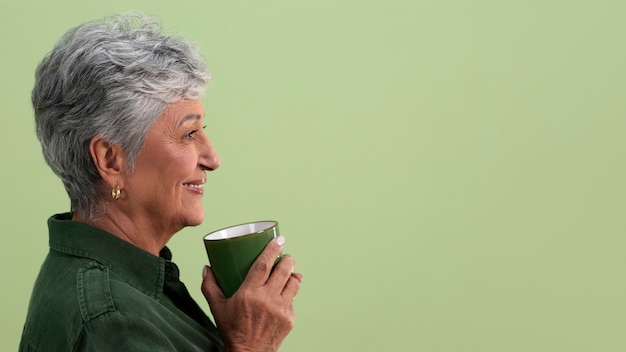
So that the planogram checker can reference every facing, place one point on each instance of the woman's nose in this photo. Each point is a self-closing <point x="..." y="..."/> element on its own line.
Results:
<point x="210" y="159"/>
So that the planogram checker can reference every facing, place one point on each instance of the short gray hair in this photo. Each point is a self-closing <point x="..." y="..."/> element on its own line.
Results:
<point x="111" y="77"/>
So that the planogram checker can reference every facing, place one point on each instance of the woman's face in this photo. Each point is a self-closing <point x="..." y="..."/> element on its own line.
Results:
<point x="166" y="184"/>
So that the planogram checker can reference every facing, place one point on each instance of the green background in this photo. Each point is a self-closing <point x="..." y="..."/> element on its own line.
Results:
<point x="449" y="174"/>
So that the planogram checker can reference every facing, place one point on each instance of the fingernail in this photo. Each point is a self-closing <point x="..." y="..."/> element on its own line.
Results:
<point x="280" y="240"/>
<point x="205" y="271"/>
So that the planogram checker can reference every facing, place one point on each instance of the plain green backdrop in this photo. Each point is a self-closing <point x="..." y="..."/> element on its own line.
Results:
<point x="449" y="174"/>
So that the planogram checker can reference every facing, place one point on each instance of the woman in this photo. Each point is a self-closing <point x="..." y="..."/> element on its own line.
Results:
<point x="119" y="118"/>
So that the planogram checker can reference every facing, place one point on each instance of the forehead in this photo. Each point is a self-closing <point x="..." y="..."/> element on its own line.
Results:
<point x="182" y="111"/>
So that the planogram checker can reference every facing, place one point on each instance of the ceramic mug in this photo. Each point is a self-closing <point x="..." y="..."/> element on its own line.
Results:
<point x="232" y="251"/>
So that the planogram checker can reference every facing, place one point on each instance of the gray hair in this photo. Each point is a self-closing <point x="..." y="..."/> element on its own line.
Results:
<point x="111" y="77"/>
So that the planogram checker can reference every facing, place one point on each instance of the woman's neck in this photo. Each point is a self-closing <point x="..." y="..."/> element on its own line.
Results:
<point x="136" y="230"/>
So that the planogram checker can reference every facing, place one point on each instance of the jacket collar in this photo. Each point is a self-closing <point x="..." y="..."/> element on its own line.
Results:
<point x="139" y="268"/>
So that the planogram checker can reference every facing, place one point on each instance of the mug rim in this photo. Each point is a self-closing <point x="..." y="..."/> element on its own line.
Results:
<point x="271" y="223"/>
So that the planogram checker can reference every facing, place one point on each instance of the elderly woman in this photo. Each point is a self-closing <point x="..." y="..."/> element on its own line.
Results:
<point x="118" y="113"/>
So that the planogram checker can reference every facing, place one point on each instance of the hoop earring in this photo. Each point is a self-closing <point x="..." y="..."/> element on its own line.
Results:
<point x="116" y="192"/>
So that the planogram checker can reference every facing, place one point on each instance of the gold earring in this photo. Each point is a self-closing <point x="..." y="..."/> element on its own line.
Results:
<point x="115" y="193"/>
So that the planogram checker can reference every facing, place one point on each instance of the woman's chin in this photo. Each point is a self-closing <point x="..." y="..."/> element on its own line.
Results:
<point x="195" y="219"/>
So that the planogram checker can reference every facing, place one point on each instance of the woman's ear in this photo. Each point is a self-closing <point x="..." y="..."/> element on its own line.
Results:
<point x="109" y="158"/>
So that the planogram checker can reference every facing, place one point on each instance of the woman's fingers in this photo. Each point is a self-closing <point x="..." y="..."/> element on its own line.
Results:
<point x="281" y="273"/>
<point x="262" y="266"/>
<point x="210" y="289"/>
<point x="292" y="287"/>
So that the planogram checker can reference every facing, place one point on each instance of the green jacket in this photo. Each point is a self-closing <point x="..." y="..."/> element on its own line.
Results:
<point x="96" y="292"/>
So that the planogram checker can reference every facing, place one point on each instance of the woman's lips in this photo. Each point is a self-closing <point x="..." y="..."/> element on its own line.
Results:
<point x="195" y="186"/>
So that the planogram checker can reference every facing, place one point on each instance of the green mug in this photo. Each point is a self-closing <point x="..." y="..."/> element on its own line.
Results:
<point x="232" y="251"/>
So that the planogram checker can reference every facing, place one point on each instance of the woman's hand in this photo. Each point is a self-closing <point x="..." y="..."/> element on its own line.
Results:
<point x="260" y="314"/>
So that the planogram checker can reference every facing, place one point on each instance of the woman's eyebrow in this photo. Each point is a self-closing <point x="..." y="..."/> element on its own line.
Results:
<point x="189" y="117"/>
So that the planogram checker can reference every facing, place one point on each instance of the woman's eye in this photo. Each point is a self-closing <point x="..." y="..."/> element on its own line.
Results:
<point x="190" y="134"/>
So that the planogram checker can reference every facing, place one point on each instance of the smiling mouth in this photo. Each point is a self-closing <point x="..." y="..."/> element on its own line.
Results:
<point x="196" y="184"/>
